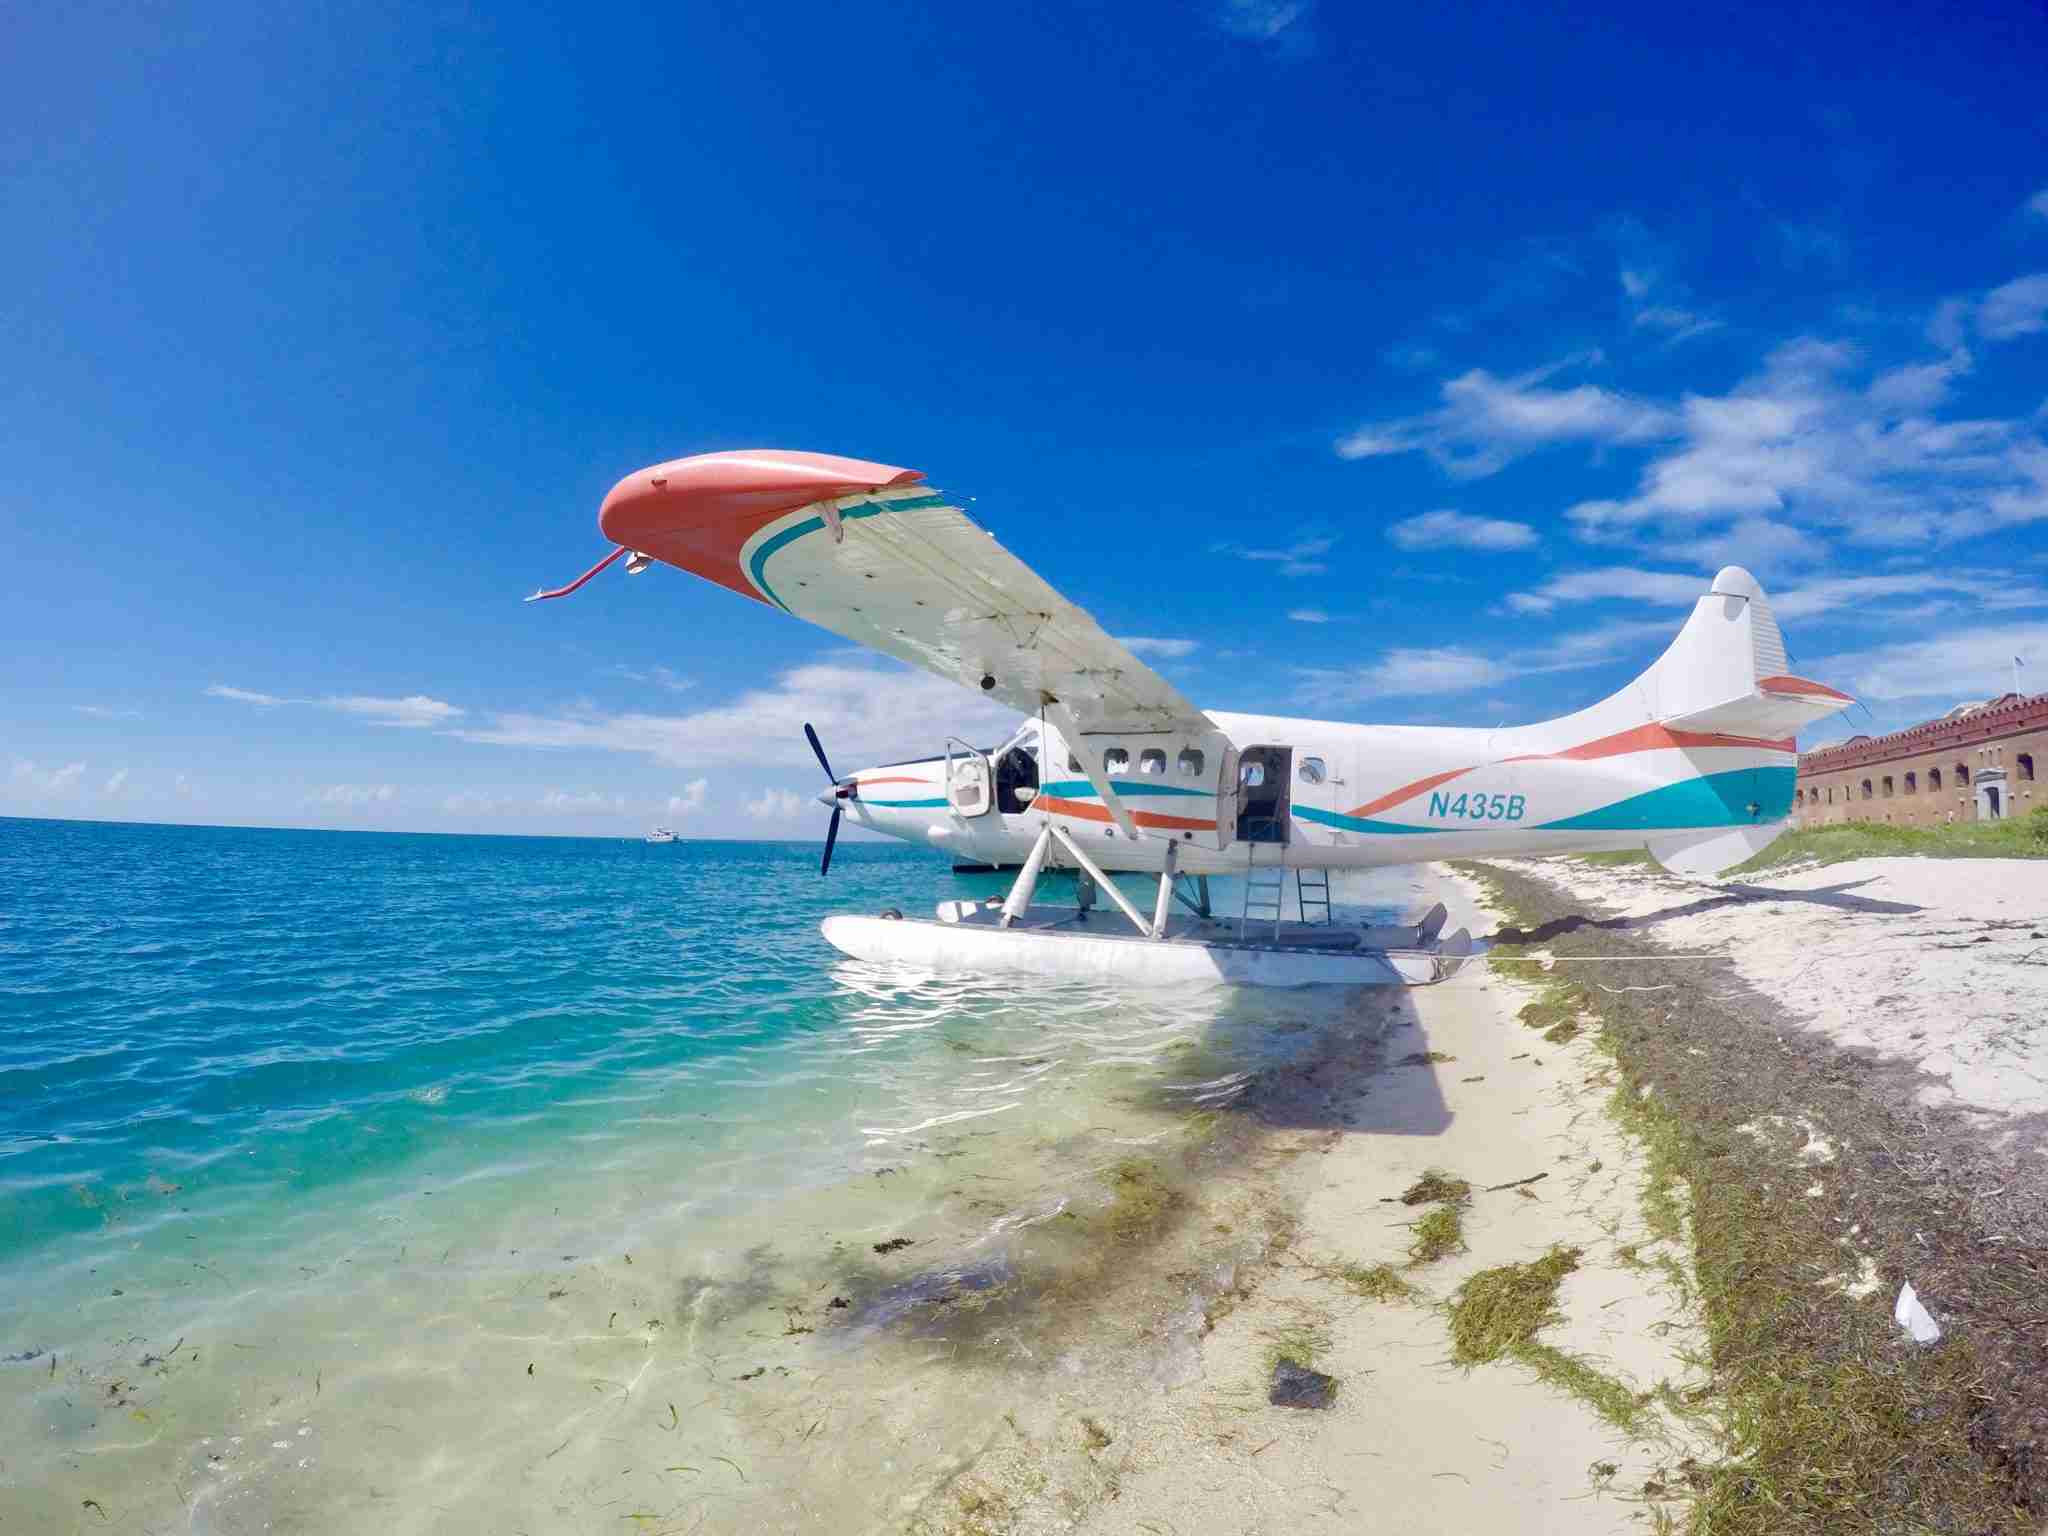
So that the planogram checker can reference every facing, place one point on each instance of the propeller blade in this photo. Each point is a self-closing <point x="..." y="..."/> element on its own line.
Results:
<point x="831" y="837"/>
<point x="812" y="736"/>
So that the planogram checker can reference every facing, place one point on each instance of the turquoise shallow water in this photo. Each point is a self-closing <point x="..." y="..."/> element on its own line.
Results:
<point x="349" y="1178"/>
<point x="252" y="1015"/>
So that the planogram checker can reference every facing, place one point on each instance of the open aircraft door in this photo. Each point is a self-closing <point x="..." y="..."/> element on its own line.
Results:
<point x="970" y="787"/>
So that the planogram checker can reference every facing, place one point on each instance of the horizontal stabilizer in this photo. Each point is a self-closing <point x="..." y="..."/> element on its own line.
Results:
<point x="1778" y="707"/>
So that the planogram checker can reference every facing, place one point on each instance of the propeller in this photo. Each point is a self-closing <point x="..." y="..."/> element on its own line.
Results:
<point x="842" y="790"/>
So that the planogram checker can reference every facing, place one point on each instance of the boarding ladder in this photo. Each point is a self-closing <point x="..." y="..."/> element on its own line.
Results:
<point x="1264" y="893"/>
<point x="1312" y="889"/>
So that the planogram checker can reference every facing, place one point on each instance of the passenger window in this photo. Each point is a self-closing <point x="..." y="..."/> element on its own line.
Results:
<point x="1152" y="760"/>
<point x="1252" y="775"/>
<point x="1190" y="763"/>
<point x="1116" y="760"/>
<point x="1313" y="771"/>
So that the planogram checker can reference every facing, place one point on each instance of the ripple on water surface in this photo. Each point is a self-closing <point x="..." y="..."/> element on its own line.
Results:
<point x="337" y="1091"/>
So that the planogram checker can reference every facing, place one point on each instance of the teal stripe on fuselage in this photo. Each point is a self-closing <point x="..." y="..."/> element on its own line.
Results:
<point x="1081" y="789"/>
<point x="904" y="805"/>
<point x="796" y="531"/>
<point x="1711" y="800"/>
<point x="1345" y="823"/>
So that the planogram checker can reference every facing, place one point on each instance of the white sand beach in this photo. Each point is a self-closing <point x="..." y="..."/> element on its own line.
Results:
<point x="1941" y="963"/>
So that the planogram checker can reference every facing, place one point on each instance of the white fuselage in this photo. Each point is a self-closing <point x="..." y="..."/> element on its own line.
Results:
<point x="1329" y="794"/>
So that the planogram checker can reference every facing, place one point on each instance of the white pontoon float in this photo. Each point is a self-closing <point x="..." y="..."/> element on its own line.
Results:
<point x="1124" y="945"/>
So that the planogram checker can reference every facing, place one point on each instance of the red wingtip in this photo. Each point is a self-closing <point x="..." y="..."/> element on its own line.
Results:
<point x="699" y="512"/>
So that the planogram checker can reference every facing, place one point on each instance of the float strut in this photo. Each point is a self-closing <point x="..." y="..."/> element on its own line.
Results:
<point x="1137" y="918"/>
<point x="1019" y="899"/>
<point x="1164" y="904"/>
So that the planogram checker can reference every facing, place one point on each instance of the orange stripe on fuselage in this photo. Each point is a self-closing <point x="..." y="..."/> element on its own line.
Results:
<point x="1081" y="810"/>
<point x="1643" y="738"/>
<point x="865" y="783"/>
<point x="1650" y="738"/>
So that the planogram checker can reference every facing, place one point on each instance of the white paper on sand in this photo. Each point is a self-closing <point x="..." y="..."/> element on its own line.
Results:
<point x="1914" y="1319"/>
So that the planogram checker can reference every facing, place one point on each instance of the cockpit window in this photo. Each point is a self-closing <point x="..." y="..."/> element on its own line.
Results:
<point x="1026" y="740"/>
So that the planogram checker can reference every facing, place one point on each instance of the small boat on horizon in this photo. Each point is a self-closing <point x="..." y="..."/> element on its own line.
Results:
<point x="663" y="835"/>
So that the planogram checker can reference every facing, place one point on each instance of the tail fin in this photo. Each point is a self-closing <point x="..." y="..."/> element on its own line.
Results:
<point x="1726" y="672"/>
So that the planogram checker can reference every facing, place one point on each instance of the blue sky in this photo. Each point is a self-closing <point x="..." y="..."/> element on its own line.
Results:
<point x="1408" y="366"/>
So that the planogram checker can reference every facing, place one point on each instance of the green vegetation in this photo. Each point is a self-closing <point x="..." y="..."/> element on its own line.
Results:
<point x="1140" y="1199"/>
<point x="2016" y="837"/>
<point x="1830" y="1425"/>
<point x="1300" y="1343"/>
<point x="1557" y="1013"/>
<point x="1623" y="856"/>
<point x="1438" y="1234"/>
<point x="1435" y="1185"/>
<point x="1499" y="1310"/>
<point x="1376" y="1282"/>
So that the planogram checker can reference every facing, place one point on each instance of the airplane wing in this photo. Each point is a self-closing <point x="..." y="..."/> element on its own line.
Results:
<point x="872" y="554"/>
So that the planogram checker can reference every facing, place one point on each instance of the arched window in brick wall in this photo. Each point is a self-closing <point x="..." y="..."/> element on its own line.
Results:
<point x="1887" y="786"/>
<point x="1866" y="789"/>
<point x="1934" y="781"/>
<point x="1912" y="784"/>
<point x="1962" y="775"/>
<point x="2024" y="766"/>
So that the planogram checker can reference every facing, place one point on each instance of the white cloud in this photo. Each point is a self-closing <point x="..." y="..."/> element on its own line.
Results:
<point x="1447" y="529"/>
<point x="1485" y="423"/>
<point x="1799" y="443"/>
<point x="182" y="787"/>
<point x="117" y="781"/>
<point x="1301" y="558"/>
<point x="1413" y="672"/>
<point x="589" y="802"/>
<point x="1267" y="21"/>
<point x="46" y="781"/>
<point x="1981" y="590"/>
<point x="775" y="805"/>
<point x="2019" y="308"/>
<point x="473" y="802"/>
<point x="1615" y="581"/>
<point x="1878" y="594"/>
<point x="246" y="696"/>
<point x="1966" y="664"/>
<point x="1308" y="616"/>
<point x="415" y="711"/>
<point x="691" y="799"/>
<point x="1152" y="645"/>
<point x="103" y="712"/>
<point x="2038" y="203"/>
<point x="353" y="796"/>
<point x="863" y="714"/>
<point x="663" y="677"/>
<point x="1919" y="386"/>
<point x="1757" y="543"/>
<point x="1678" y="324"/>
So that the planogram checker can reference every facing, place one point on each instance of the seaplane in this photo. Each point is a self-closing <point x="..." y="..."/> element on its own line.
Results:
<point x="1113" y="770"/>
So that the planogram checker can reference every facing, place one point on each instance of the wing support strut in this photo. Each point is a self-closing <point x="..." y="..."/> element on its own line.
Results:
<point x="1064" y="722"/>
